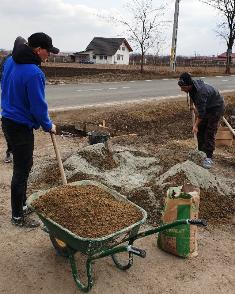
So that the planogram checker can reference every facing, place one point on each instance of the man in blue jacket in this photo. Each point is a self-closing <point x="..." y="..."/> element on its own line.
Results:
<point x="210" y="107"/>
<point x="18" y="42"/>
<point x="24" y="108"/>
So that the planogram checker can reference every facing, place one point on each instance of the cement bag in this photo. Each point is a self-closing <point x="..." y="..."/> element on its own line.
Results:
<point x="180" y="203"/>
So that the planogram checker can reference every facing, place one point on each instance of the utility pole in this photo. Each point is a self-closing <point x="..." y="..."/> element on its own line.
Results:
<point x="174" y="36"/>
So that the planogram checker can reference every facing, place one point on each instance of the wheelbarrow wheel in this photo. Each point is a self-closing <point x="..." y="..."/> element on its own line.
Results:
<point x="61" y="247"/>
<point x="120" y="263"/>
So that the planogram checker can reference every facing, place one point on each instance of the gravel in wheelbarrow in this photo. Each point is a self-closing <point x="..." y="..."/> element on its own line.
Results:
<point x="87" y="211"/>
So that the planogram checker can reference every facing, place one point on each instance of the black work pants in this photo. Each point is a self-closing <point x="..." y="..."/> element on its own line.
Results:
<point x="21" y="140"/>
<point x="207" y="130"/>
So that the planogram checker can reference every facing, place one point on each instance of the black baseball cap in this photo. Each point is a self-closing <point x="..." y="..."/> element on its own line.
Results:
<point x="185" y="79"/>
<point x="42" y="40"/>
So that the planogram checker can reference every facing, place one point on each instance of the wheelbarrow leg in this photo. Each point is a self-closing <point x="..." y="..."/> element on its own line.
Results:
<point x="120" y="265"/>
<point x="80" y="285"/>
<point x="90" y="260"/>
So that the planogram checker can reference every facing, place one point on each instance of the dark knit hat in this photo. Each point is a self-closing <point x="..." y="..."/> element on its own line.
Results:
<point x="185" y="80"/>
<point x="42" y="40"/>
<point x="19" y="41"/>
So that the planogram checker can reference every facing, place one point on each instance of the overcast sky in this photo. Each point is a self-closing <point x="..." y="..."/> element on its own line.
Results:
<point x="73" y="23"/>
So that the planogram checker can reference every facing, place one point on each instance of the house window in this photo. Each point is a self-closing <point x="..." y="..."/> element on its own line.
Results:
<point x="119" y="57"/>
<point x="94" y="56"/>
<point x="123" y="48"/>
<point x="105" y="57"/>
<point x="101" y="57"/>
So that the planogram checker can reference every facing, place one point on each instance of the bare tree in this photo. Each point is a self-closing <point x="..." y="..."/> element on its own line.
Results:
<point x="226" y="29"/>
<point x="145" y="25"/>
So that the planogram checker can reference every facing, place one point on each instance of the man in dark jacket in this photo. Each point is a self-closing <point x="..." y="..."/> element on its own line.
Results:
<point x="24" y="108"/>
<point x="210" y="107"/>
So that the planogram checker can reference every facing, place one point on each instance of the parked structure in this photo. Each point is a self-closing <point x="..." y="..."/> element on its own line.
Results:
<point x="105" y="51"/>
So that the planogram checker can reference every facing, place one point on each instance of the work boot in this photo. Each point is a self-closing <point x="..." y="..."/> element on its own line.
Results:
<point x="27" y="210"/>
<point x="25" y="222"/>
<point x="8" y="158"/>
<point x="207" y="163"/>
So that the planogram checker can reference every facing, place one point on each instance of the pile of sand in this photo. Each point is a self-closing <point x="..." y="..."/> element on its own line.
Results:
<point x="196" y="175"/>
<point x="216" y="193"/>
<point x="131" y="169"/>
<point x="137" y="175"/>
<point x="126" y="168"/>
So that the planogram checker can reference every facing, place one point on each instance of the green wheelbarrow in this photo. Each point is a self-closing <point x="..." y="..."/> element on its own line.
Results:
<point x="67" y="244"/>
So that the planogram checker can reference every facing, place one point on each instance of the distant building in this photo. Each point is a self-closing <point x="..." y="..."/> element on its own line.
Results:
<point x="218" y="60"/>
<point x="61" y="57"/>
<point x="222" y="57"/>
<point x="105" y="51"/>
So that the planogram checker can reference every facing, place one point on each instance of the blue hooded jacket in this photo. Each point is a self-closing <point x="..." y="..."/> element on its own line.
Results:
<point x="23" y="90"/>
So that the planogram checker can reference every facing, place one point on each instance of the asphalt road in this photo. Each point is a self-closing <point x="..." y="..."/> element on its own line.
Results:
<point x="84" y="94"/>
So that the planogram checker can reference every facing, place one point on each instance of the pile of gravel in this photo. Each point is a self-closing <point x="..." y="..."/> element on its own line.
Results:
<point x="88" y="211"/>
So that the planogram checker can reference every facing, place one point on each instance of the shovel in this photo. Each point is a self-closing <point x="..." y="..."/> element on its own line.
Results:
<point x="193" y="117"/>
<point x="229" y="126"/>
<point x="58" y="157"/>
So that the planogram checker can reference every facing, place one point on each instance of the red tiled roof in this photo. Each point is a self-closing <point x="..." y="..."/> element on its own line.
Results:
<point x="223" y="55"/>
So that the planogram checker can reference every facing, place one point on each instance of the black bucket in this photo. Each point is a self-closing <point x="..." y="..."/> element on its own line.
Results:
<point x="97" y="137"/>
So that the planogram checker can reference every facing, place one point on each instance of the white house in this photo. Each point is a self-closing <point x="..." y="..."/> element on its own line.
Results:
<point x="105" y="51"/>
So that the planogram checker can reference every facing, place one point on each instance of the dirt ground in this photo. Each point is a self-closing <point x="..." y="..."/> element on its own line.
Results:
<point x="29" y="262"/>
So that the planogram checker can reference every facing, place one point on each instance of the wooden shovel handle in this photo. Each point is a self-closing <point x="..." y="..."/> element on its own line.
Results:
<point x="193" y="116"/>
<point x="229" y="126"/>
<point x="58" y="157"/>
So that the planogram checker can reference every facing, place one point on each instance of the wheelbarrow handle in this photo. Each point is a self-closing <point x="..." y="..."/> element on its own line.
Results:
<point x="167" y="226"/>
<point x="198" y="222"/>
